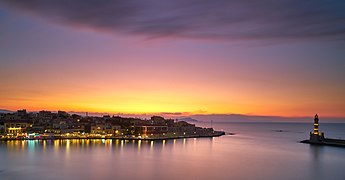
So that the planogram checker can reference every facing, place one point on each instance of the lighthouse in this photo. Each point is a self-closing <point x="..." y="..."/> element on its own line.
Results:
<point x="316" y="136"/>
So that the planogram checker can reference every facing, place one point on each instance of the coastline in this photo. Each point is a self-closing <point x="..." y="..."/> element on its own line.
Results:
<point x="215" y="134"/>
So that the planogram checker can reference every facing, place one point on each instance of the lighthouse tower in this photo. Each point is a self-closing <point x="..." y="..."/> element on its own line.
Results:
<point x="316" y="124"/>
<point x="316" y="136"/>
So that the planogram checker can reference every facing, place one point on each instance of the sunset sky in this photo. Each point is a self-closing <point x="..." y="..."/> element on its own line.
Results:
<point x="281" y="58"/>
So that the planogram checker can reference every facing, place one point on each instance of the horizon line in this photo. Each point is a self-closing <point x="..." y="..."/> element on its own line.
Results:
<point x="177" y="114"/>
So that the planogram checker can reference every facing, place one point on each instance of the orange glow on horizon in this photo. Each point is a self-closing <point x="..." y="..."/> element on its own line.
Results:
<point x="168" y="102"/>
<point x="161" y="96"/>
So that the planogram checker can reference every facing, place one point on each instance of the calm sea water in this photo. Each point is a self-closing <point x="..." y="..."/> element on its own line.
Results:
<point x="258" y="151"/>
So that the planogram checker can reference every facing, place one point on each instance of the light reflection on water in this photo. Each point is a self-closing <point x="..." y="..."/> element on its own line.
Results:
<point x="256" y="152"/>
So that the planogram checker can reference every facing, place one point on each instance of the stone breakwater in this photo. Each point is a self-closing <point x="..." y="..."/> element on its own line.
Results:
<point x="327" y="142"/>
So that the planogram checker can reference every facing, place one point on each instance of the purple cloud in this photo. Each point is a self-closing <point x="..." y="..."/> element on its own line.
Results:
<point x="229" y="20"/>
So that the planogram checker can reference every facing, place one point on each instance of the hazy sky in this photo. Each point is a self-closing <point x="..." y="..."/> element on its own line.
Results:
<point x="267" y="57"/>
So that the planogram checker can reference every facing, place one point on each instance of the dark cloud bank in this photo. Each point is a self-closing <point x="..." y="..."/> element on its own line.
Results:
<point x="273" y="20"/>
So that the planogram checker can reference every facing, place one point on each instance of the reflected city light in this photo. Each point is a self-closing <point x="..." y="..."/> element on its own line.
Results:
<point x="87" y="142"/>
<point x="139" y="144"/>
<point x="31" y="145"/>
<point x="56" y="145"/>
<point x="68" y="142"/>
<point x="44" y="145"/>
<point x="23" y="144"/>
<point x="122" y="143"/>
<point x="174" y="143"/>
<point x="151" y="145"/>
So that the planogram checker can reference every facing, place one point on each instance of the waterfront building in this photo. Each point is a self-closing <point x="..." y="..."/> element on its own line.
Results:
<point x="182" y="127"/>
<point x="151" y="129"/>
<point x="15" y="127"/>
<point x="36" y="128"/>
<point x="9" y="116"/>
<point x="157" y="120"/>
<point x="316" y="135"/>
<point x="21" y="114"/>
<point x="104" y="129"/>
<point x="2" y="127"/>
<point x="62" y="114"/>
<point x="45" y="116"/>
<point x="73" y="129"/>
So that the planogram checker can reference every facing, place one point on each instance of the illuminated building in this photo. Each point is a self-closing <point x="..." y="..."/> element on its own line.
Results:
<point x="15" y="128"/>
<point x="103" y="129"/>
<point x="151" y="129"/>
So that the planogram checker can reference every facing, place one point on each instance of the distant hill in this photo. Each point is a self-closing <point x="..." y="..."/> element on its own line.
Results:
<point x="188" y="119"/>
<point x="253" y="118"/>
<point x="4" y="111"/>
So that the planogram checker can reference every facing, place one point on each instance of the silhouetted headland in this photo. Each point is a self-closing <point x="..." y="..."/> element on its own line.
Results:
<point x="318" y="138"/>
